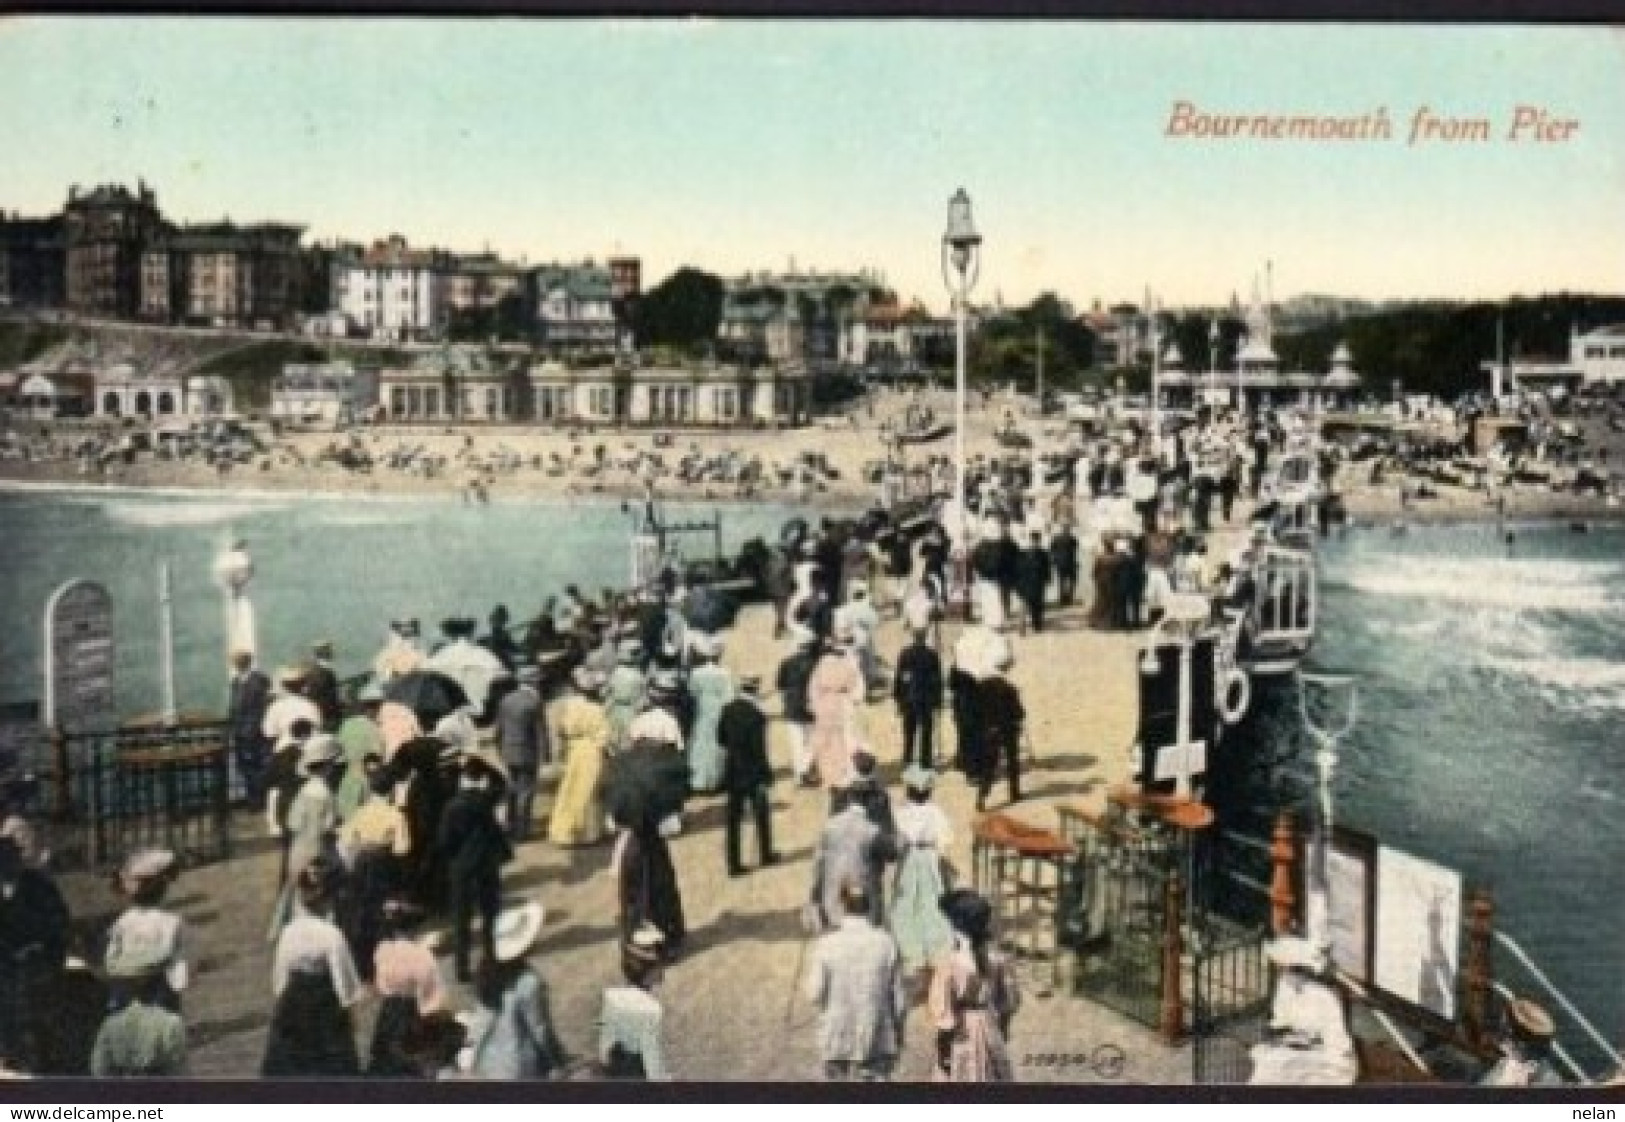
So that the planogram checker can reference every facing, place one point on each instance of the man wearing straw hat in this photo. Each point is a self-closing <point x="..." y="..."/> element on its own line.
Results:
<point x="1526" y="1046"/>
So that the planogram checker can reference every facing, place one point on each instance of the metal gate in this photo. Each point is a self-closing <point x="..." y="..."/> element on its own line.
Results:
<point x="1230" y="1002"/>
<point x="1127" y="871"/>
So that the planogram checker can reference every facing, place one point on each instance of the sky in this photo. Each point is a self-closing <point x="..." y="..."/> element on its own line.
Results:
<point x="738" y="145"/>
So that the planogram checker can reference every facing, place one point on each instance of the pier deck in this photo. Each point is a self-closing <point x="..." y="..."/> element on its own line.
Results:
<point x="730" y="1013"/>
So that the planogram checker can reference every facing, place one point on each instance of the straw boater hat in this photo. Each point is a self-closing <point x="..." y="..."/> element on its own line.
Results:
<point x="1530" y="1021"/>
<point x="646" y="944"/>
<point x="318" y="750"/>
<point x="655" y="726"/>
<point x="144" y="866"/>
<point x="291" y="675"/>
<point x="516" y="931"/>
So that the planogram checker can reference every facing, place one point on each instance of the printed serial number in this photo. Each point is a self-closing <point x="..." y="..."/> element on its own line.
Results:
<point x="1107" y="1060"/>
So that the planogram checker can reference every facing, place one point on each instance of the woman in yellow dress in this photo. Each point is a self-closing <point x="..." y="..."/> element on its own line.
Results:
<point x="582" y="732"/>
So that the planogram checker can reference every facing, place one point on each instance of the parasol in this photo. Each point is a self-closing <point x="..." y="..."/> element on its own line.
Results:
<point x="645" y="784"/>
<point x="429" y="694"/>
<point x="471" y="666"/>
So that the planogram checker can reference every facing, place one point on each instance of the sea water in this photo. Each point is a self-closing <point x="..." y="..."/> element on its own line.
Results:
<point x="1490" y="736"/>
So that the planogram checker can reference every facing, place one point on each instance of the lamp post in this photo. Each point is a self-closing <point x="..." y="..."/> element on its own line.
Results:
<point x="961" y="264"/>
<point x="1156" y="382"/>
<point x="1317" y="898"/>
<point x="234" y="569"/>
<point x="1213" y="362"/>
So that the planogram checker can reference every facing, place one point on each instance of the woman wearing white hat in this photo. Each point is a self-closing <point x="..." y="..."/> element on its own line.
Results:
<point x="513" y="1036"/>
<point x="145" y="930"/>
<point x="312" y="818"/>
<point x="583" y="734"/>
<point x="710" y="688"/>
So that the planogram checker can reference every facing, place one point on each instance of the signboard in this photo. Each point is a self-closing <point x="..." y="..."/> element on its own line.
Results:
<point x="79" y="658"/>
<point x="1418" y="931"/>
<point x="1351" y="890"/>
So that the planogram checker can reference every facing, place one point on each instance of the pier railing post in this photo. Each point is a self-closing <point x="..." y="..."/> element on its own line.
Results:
<point x="1172" y="1021"/>
<point x="1284" y="879"/>
<point x="1478" y="977"/>
<point x="62" y="777"/>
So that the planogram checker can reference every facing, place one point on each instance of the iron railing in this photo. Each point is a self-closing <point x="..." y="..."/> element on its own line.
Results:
<point x="98" y="797"/>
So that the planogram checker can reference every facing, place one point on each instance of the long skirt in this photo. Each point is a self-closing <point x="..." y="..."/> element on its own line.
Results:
<point x="397" y="1019"/>
<point x="375" y="875"/>
<point x="649" y="888"/>
<point x="311" y="1033"/>
<point x="917" y="923"/>
<point x="578" y="816"/>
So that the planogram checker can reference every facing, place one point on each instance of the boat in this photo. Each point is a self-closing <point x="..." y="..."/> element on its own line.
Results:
<point x="924" y="435"/>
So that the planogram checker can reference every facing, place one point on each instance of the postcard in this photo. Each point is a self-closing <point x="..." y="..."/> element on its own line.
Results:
<point x="731" y="550"/>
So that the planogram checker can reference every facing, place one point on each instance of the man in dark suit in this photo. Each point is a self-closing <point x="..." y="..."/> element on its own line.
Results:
<point x="322" y="686"/>
<point x="1063" y="551"/>
<point x="1032" y="579"/>
<point x="917" y="689"/>
<point x="245" y="716"/>
<point x="523" y="743"/>
<point x="747" y="777"/>
<point x="33" y="952"/>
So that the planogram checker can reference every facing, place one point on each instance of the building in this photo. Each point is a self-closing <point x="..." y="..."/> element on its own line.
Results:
<point x="797" y="317"/>
<point x="708" y="395"/>
<point x="123" y="390"/>
<point x="107" y="231"/>
<point x="39" y="396"/>
<point x="387" y="291"/>
<point x="327" y="394"/>
<point x="1596" y="358"/>
<point x="573" y="308"/>
<point x="625" y="278"/>
<point x="1257" y="380"/>
<point x="475" y="283"/>
<point x="33" y="261"/>
<point x="455" y="384"/>
<point x="223" y="275"/>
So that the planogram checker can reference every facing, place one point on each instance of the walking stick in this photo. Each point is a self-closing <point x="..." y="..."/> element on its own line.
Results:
<point x="795" y="976"/>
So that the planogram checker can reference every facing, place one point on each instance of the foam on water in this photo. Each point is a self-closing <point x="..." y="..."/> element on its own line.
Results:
<point x="185" y="513"/>
<point x="1518" y="584"/>
<point x="1578" y="683"/>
